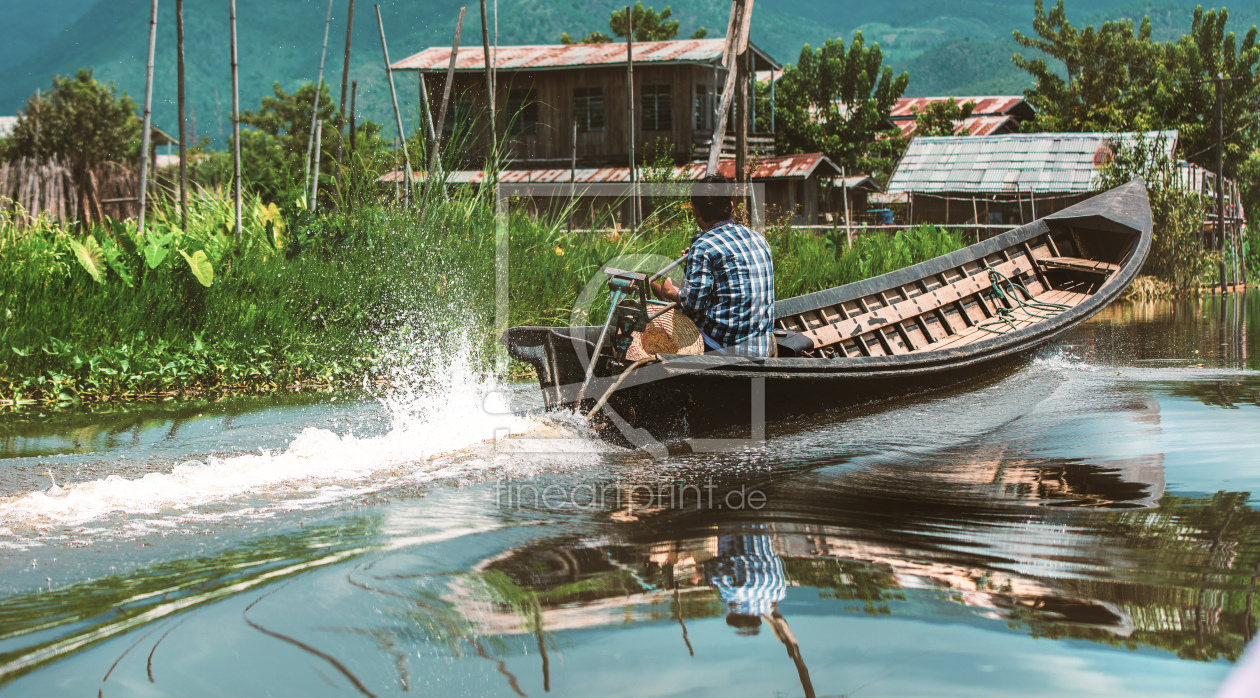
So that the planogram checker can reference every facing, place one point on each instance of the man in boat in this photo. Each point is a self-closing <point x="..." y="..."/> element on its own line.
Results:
<point x="728" y="290"/>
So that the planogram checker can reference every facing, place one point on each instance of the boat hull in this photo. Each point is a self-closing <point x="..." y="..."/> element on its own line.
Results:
<point x="907" y="332"/>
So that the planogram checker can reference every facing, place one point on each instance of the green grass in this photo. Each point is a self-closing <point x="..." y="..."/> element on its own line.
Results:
<point x="323" y="300"/>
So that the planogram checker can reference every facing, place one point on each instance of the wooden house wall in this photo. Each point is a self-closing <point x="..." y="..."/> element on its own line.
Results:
<point x="958" y="210"/>
<point x="553" y="90"/>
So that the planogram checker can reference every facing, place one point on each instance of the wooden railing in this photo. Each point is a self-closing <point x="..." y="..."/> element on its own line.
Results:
<point x="760" y="145"/>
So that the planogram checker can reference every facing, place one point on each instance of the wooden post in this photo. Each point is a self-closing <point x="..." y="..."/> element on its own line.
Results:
<point x="354" y="91"/>
<point x="345" y="79"/>
<point x="634" y="192"/>
<point x="147" y="136"/>
<point x="848" y="224"/>
<point x="772" y="101"/>
<point x="319" y="85"/>
<point x="236" y="122"/>
<point x="573" y="176"/>
<point x="910" y="210"/>
<point x="183" y="130"/>
<point x="426" y="108"/>
<point x="975" y="216"/>
<point x="946" y="210"/>
<point x="741" y="126"/>
<point x="319" y="128"/>
<point x="389" y="72"/>
<point x="1220" y="175"/>
<point x="485" y="47"/>
<point x="736" y="43"/>
<point x="446" y="96"/>
<point x="1032" y="204"/>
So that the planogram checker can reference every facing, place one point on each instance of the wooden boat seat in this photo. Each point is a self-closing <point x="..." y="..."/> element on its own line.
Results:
<point x="1022" y="319"/>
<point x="1078" y="264"/>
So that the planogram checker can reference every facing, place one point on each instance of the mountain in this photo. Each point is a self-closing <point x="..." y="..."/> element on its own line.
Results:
<point x="961" y="46"/>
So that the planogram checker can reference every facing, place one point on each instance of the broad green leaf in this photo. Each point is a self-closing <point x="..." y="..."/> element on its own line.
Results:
<point x="91" y="256"/>
<point x="113" y="256"/>
<point x="157" y="250"/>
<point x="124" y="236"/>
<point x="200" y="266"/>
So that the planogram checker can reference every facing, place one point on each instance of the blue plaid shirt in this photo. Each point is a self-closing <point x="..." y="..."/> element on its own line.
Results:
<point x="729" y="288"/>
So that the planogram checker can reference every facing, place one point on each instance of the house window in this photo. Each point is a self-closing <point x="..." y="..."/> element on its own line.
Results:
<point x="702" y="107"/>
<point x="523" y="111"/>
<point x="588" y="108"/>
<point x="460" y="113"/>
<point x="658" y="107"/>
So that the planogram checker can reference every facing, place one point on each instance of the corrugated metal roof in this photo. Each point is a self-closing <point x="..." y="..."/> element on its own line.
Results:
<point x="975" y="125"/>
<point x="779" y="167"/>
<point x="985" y="106"/>
<point x="1061" y="163"/>
<point x="543" y="57"/>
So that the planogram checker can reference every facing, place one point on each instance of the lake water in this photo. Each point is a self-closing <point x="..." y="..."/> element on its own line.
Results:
<point x="1083" y="523"/>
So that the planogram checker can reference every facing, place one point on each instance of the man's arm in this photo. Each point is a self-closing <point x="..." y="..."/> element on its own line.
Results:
<point x="696" y="294"/>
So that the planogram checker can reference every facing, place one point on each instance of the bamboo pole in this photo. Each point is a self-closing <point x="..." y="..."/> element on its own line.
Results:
<point x="634" y="198"/>
<point x="446" y="95"/>
<point x="147" y="136"/>
<point x="741" y="124"/>
<point x="426" y="108"/>
<point x="236" y="123"/>
<point x="319" y="87"/>
<point x="354" y="91"/>
<point x="736" y="35"/>
<point x="389" y="72"/>
<point x="183" y="127"/>
<point x="494" y="74"/>
<point x="485" y="47"/>
<point x="345" y="79"/>
<point x="848" y="223"/>
<point x="975" y="216"/>
<point x="319" y="128"/>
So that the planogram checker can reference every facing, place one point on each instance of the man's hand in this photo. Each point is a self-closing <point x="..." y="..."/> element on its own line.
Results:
<point x="666" y="289"/>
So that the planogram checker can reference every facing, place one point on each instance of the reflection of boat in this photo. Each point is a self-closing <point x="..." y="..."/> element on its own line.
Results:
<point x="931" y="324"/>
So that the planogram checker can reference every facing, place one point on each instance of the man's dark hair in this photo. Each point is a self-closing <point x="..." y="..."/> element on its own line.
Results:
<point x="744" y="624"/>
<point x="712" y="203"/>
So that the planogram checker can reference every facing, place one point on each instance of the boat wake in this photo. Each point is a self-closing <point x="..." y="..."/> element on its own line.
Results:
<point x="448" y="421"/>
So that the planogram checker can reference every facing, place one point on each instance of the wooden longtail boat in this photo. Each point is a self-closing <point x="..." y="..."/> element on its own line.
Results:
<point x="930" y="325"/>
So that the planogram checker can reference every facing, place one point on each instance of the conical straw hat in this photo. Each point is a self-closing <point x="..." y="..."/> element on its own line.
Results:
<point x="671" y="333"/>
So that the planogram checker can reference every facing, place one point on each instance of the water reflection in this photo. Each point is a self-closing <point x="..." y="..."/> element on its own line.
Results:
<point x="1080" y="526"/>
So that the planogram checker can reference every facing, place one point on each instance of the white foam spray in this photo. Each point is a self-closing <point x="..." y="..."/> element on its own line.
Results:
<point x="440" y="428"/>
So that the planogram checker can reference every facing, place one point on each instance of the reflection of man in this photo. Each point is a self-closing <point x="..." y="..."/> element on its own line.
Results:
<point x="749" y="578"/>
<point x="729" y="286"/>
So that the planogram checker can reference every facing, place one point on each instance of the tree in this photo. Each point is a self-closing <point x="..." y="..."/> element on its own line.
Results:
<point x="1119" y="80"/>
<point x="649" y="25"/>
<point x="837" y="102"/>
<point x="273" y="156"/>
<point x="79" y="120"/>
<point x="1176" y="214"/>
<point x="1188" y="104"/>
<point x="942" y="118"/>
<point x="1110" y="74"/>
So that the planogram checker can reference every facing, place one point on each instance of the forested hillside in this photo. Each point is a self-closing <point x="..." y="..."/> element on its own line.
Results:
<point x="958" y="47"/>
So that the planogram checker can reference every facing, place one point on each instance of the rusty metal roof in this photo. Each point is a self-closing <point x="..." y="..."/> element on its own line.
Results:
<point x="778" y="167"/>
<point x="985" y="106"/>
<point x="551" y="57"/>
<point x="974" y="125"/>
<point x="1044" y="163"/>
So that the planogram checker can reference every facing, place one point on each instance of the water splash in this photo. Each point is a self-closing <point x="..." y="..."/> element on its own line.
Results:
<point x="441" y="426"/>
